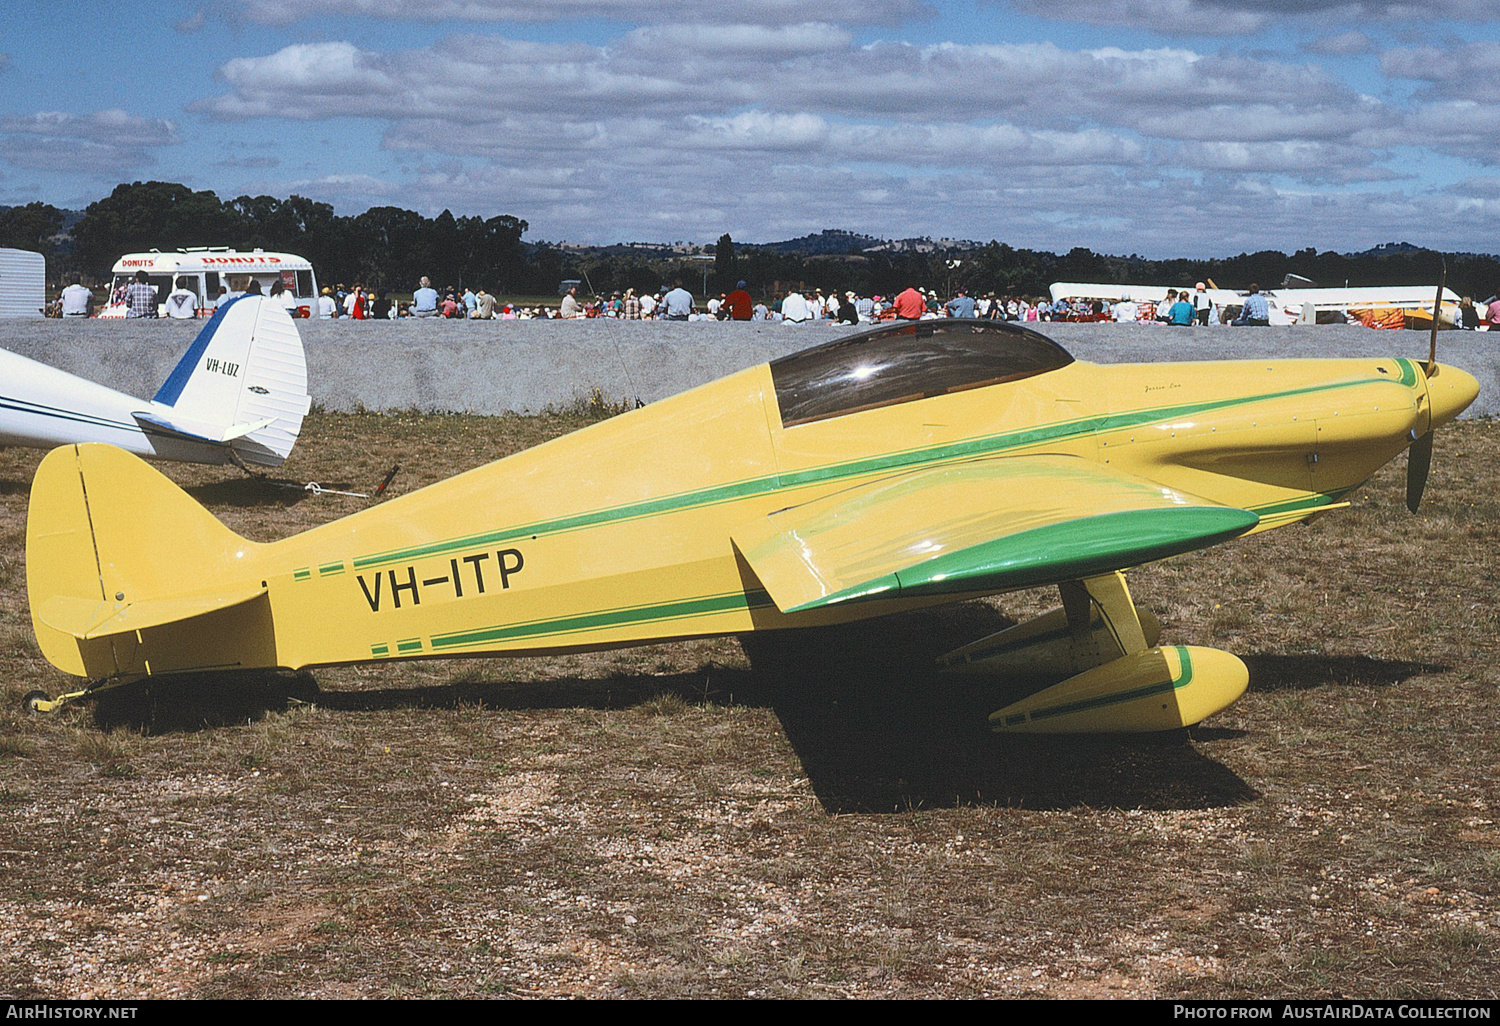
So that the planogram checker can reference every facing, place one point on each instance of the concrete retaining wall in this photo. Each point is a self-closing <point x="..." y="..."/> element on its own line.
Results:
<point x="524" y="366"/>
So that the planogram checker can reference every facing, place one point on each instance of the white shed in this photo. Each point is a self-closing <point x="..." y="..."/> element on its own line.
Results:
<point x="23" y="283"/>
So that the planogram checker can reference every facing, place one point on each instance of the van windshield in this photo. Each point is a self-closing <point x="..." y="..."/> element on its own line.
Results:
<point x="163" y="283"/>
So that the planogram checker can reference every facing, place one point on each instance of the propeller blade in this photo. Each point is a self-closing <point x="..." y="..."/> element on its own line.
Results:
<point x="1418" y="463"/>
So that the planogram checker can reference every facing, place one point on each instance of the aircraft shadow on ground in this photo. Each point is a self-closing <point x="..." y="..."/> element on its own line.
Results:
<point x="875" y="729"/>
<point x="256" y="491"/>
<point x="1299" y="672"/>
<point x="9" y="487"/>
<point x="872" y="727"/>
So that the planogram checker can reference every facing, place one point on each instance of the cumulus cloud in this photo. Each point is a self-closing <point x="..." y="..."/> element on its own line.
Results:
<point x="248" y="162"/>
<point x="637" y="12"/>
<point x="70" y="155"/>
<point x="1471" y="71"/>
<point x="1163" y="92"/>
<point x="1046" y="208"/>
<point x="103" y="142"/>
<point x="1342" y="44"/>
<point x="1244" y="17"/>
<point x="772" y="128"/>
<point x="106" y="127"/>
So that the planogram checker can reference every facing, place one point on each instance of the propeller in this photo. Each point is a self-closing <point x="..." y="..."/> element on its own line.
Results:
<point x="1419" y="455"/>
<point x="1418" y="462"/>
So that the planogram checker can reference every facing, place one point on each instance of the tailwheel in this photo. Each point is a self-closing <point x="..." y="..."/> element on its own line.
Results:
<point x="38" y="702"/>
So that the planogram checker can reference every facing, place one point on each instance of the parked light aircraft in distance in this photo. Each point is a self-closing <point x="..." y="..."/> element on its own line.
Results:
<point x="1291" y="305"/>
<point x="238" y="395"/>
<point x="914" y="464"/>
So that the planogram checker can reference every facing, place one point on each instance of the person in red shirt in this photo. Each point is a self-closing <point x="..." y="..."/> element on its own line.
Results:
<point x="909" y="305"/>
<point x="741" y="306"/>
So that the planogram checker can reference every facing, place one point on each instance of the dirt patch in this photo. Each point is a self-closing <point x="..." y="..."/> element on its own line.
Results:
<point x="656" y="823"/>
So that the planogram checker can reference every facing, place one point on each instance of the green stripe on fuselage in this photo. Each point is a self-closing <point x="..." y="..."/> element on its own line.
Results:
<point x="967" y="449"/>
<point x="586" y="622"/>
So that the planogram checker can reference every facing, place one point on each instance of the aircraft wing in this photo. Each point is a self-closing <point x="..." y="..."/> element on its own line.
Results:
<point x="984" y="525"/>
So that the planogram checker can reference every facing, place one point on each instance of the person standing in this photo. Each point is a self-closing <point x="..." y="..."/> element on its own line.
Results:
<point x="140" y="297"/>
<point x="327" y="308"/>
<point x="77" y="301"/>
<point x="182" y="302"/>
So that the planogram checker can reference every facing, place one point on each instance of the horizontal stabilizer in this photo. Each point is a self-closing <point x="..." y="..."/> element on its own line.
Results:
<point x="199" y="431"/>
<point x="984" y="525"/>
<point x="127" y="575"/>
<point x="87" y="619"/>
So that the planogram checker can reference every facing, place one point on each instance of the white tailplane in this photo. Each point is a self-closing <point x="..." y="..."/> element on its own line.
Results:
<point x="238" y="394"/>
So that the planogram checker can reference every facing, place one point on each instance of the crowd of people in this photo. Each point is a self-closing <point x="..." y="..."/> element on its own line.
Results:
<point x="795" y="305"/>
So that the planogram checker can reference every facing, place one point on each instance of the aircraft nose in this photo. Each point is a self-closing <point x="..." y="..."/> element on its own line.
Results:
<point x="1450" y="391"/>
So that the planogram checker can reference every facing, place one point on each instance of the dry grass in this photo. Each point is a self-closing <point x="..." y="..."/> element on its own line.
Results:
<point x="652" y="823"/>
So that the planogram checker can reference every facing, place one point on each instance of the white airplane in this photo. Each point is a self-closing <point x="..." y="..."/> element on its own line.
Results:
<point x="238" y="395"/>
<point x="1288" y="304"/>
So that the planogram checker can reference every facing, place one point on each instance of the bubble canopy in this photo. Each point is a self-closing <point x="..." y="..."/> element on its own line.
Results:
<point x="907" y="361"/>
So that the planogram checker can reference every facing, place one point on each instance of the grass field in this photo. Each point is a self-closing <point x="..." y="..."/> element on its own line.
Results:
<point x="656" y="823"/>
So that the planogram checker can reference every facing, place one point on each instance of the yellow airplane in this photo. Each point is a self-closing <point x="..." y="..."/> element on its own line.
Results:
<point x="925" y="462"/>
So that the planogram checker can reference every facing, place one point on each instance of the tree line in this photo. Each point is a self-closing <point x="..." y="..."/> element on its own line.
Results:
<point x="390" y="247"/>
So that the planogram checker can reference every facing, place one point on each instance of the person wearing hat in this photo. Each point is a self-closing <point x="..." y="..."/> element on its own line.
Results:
<point x="1202" y="305"/>
<point x="326" y="306"/>
<point x="741" y="306"/>
<point x="961" y="305"/>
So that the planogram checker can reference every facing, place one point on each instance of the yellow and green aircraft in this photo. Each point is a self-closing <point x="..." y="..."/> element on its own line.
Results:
<point x="914" y="464"/>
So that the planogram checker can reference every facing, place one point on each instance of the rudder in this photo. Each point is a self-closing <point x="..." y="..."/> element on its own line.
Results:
<point x="242" y="383"/>
<point x="127" y="574"/>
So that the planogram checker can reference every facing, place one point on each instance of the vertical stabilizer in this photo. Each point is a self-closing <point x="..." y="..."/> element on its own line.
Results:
<point x="127" y="575"/>
<point x="242" y="384"/>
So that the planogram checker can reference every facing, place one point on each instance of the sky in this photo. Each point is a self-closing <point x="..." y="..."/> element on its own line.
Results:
<point x="1196" y="128"/>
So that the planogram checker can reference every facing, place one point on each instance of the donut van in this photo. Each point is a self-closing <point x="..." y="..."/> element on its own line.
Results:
<point x="210" y="269"/>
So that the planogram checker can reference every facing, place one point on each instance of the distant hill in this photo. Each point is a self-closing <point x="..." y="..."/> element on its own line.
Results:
<point x="835" y="241"/>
